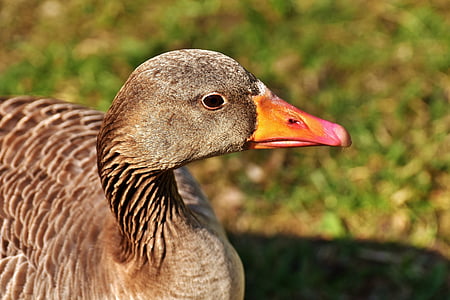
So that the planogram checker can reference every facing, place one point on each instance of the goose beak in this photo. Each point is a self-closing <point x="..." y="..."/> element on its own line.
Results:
<point x="282" y="125"/>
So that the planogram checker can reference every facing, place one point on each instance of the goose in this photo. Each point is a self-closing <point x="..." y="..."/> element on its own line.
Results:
<point x="101" y="206"/>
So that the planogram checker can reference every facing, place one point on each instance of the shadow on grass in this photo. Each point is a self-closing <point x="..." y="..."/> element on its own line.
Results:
<point x="286" y="267"/>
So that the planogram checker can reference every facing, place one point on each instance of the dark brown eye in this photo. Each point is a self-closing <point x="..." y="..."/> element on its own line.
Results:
<point x="213" y="101"/>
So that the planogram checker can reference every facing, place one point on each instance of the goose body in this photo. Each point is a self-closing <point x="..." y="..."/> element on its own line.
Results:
<point x="100" y="206"/>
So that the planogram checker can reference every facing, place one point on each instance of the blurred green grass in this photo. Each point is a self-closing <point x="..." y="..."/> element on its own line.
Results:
<point x="380" y="68"/>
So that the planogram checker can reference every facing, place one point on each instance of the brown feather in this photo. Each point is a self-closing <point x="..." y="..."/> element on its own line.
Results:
<point x="155" y="235"/>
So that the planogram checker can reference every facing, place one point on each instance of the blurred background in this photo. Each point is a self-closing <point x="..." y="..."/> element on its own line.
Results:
<point x="368" y="222"/>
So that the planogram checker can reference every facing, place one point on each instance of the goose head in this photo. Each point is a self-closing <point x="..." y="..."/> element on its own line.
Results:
<point x="187" y="105"/>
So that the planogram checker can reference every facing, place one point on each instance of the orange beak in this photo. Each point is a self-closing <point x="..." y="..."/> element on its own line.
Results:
<point x="281" y="125"/>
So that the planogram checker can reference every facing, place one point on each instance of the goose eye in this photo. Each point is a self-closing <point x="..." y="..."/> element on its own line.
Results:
<point x="213" y="101"/>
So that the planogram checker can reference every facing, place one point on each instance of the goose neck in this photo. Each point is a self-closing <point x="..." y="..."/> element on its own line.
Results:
<point x="147" y="207"/>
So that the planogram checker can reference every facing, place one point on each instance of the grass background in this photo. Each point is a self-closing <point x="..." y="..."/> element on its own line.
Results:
<point x="368" y="222"/>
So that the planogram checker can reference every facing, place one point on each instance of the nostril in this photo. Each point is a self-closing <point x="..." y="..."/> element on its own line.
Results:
<point x="292" y="121"/>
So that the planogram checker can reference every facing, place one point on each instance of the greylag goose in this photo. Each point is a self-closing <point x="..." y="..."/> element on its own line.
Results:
<point x="100" y="206"/>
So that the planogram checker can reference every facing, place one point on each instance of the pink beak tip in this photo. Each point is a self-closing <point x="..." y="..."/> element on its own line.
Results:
<point x="343" y="136"/>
